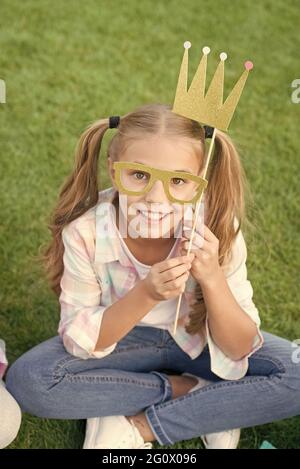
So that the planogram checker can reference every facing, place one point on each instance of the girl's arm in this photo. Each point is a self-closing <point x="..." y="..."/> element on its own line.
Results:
<point x="132" y="307"/>
<point x="232" y="318"/>
<point x="89" y="329"/>
<point x="230" y="327"/>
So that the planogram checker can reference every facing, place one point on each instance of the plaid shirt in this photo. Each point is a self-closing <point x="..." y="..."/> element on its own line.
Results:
<point x="97" y="272"/>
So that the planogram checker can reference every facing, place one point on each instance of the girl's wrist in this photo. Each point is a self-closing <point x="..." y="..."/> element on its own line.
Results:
<point x="212" y="282"/>
<point x="146" y="296"/>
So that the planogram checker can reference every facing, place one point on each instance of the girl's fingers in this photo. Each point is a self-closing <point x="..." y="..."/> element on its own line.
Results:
<point x="186" y="245"/>
<point x="197" y="238"/>
<point x="202" y="230"/>
<point x="184" y="249"/>
<point x="173" y="274"/>
<point x="172" y="262"/>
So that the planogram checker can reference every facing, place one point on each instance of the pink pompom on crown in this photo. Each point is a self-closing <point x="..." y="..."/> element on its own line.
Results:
<point x="248" y="65"/>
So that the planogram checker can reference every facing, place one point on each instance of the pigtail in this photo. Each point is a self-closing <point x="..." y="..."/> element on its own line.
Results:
<point x="78" y="194"/>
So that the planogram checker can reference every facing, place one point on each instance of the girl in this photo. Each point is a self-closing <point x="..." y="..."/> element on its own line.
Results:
<point x="116" y="361"/>
<point x="10" y="412"/>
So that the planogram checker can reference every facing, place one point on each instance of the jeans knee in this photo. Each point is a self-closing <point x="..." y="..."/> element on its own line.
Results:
<point x="25" y="383"/>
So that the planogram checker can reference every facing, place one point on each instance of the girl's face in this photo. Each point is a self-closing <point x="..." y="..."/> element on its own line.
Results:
<point x="161" y="153"/>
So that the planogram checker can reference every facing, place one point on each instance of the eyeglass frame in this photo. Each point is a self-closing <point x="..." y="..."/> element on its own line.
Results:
<point x="158" y="174"/>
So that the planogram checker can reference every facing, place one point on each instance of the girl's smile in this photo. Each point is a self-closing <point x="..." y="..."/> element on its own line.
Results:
<point x="152" y="217"/>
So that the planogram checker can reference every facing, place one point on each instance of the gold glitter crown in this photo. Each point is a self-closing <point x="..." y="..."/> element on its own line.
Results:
<point x="207" y="108"/>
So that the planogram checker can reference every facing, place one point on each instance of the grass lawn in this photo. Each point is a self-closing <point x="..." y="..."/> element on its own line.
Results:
<point x="67" y="63"/>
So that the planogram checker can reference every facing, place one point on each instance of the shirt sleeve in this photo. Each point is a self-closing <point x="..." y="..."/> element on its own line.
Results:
<point x="81" y="312"/>
<point x="242" y="290"/>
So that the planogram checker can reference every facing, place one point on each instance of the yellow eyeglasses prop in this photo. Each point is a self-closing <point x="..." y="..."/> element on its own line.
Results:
<point x="138" y="179"/>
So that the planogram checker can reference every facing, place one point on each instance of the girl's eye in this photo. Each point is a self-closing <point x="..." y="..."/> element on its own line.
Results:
<point x="134" y="173"/>
<point x="179" y="179"/>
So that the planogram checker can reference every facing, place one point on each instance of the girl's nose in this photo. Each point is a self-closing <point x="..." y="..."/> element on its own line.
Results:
<point x="156" y="193"/>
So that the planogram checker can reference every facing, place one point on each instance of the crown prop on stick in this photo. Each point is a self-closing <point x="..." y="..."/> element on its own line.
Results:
<point x="207" y="109"/>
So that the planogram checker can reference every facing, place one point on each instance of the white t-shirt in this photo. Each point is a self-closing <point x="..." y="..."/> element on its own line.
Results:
<point x="163" y="314"/>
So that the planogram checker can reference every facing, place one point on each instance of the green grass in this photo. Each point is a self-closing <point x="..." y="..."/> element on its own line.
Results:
<point x="67" y="63"/>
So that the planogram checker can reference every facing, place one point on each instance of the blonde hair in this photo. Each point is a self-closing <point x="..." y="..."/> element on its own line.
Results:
<point x="224" y="195"/>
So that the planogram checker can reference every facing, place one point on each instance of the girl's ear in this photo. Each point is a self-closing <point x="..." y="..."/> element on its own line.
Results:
<point x="110" y="168"/>
<point x="111" y="172"/>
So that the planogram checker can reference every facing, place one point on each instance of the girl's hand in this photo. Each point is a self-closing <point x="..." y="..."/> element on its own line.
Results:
<point x="205" y="245"/>
<point x="167" y="279"/>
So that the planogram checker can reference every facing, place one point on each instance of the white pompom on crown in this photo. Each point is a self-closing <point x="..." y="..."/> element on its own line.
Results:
<point x="187" y="44"/>
<point x="223" y="56"/>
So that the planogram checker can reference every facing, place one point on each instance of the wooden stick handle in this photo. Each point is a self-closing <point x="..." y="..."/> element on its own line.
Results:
<point x="195" y="222"/>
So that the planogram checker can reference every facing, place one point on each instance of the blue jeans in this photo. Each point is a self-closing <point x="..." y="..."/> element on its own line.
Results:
<point x="49" y="382"/>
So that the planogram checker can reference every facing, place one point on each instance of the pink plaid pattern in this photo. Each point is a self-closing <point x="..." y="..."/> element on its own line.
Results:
<point x="97" y="272"/>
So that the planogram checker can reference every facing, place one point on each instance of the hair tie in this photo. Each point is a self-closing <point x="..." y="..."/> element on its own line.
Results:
<point x="208" y="131"/>
<point x="114" y="121"/>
